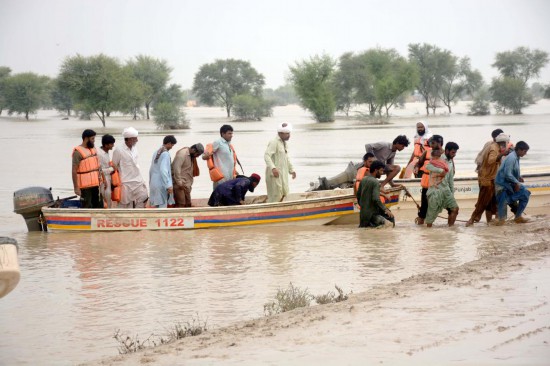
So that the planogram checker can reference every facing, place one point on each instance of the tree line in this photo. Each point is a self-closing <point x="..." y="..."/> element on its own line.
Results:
<point x="381" y="79"/>
<point x="378" y="78"/>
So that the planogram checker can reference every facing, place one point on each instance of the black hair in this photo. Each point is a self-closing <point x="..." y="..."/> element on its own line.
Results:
<point x="225" y="128"/>
<point x="451" y="146"/>
<point x="437" y="138"/>
<point x="522" y="145"/>
<point x="401" y="140"/>
<point x="88" y="133"/>
<point x="368" y="155"/>
<point x="496" y="132"/>
<point x="377" y="164"/>
<point x="169" y="139"/>
<point x="107" y="139"/>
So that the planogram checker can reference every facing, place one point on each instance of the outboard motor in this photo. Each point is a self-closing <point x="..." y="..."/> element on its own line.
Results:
<point x="342" y="180"/>
<point x="29" y="202"/>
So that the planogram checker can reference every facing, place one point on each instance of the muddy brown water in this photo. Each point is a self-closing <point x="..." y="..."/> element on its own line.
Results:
<point x="77" y="289"/>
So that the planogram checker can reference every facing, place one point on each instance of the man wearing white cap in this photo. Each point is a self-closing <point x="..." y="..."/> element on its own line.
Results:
<point x="278" y="165"/>
<point x="125" y="159"/>
<point x="487" y="172"/>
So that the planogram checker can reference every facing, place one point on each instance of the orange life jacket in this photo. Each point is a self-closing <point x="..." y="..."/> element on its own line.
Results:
<point x="116" y="189"/>
<point x="360" y="175"/>
<point x="425" y="180"/>
<point x="215" y="173"/>
<point x="87" y="171"/>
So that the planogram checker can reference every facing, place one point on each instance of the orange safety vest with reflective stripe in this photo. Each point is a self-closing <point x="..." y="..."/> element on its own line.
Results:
<point x="87" y="172"/>
<point x="215" y="172"/>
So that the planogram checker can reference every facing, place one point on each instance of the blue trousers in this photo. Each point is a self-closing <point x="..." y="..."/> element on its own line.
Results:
<point x="506" y="197"/>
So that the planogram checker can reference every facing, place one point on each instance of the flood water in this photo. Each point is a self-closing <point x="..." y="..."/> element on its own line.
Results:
<point x="77" y="289"/>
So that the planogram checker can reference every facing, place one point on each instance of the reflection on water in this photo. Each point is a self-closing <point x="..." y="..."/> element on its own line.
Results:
<point x="76" y="289"/>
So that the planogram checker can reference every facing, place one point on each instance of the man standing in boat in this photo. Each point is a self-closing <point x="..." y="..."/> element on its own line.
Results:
<point x="184" y="170"/>
<point x="421" y="148"/>
<point x="373" y="211"/>
<point x="125" y="160"/>
<point x="487" y="171"/>
<point x="161" y="190"/>
<point x="107" y="144"/>
<point x="385" y="152"/>
<point x="221" y="157"/>
<point x="508" y="185"/>
<point x="278" y="165"/>
<point x="86" y="171"/>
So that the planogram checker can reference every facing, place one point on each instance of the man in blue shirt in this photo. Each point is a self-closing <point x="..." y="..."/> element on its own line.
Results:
<point x="508" y="185"/>
<point x="232" y="192"/>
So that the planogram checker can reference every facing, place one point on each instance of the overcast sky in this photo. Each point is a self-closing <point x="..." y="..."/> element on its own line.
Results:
<point x="36" y="35"/>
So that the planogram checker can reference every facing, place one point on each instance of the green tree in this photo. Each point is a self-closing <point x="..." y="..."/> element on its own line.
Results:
<point x="250" y="108"/>
<point x="25" y="93"/>
<point x="432" y="63"/>
<point x="4" y="74"/>
<point x="313" y="81"/>
<point x="283" y="95"/>
<point x="457" y="78"/>
<point x="153" y="73"/>
<point x="393" y="76"/>
<point x="169" y="116"/>
<point x="510" y="95"/>
<point x="61" y="98"/>
<point x="480" y="105"/>
<point x="516" y="68"/>
<point x="133" y="98"/>
<point x="97" y="84"/>
<point x="219" y="82"/>
<point x="346" y="80"/>
<point x="173" y="94"/>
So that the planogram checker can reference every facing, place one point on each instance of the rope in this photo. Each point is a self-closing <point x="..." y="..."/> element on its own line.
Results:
<point x="418" y="206"/>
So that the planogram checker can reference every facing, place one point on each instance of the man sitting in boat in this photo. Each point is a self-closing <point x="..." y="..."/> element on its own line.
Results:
<point x="385" y="152"/>
<point x="373" y="212"/>
<point x="232" y="192"/>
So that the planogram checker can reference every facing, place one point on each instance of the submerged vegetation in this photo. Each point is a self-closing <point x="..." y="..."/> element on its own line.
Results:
<point x="129" y="344"/>
<point x="294" y="297"/>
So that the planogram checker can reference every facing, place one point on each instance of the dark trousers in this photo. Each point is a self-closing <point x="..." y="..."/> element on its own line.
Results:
<point x="423" y="204"/>
<point x="91" y="198"/>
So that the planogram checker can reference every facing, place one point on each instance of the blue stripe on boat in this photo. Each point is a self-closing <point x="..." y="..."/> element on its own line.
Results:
<point x="259" y="218"/>
<point x="68" y="223"/>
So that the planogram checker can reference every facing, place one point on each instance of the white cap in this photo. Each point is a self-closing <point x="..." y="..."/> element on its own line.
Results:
<point x="285" y="127"/>
<point x="502" y="138"/>
<point x="129" y="132"/>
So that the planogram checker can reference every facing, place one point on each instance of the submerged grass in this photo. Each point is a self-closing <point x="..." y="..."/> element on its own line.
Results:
<point x="294" y="297"/>
<point x="130" y="344"/>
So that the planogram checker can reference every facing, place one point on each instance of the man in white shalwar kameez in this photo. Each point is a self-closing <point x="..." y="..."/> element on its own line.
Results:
<point x="125" y="159"/>
<point x="161" y="190"/>
<point x="278" y="165"/>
